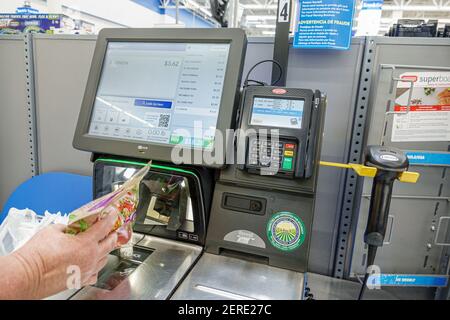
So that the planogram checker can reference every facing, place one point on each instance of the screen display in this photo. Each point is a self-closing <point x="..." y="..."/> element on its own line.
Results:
<point x="160" y="92"/>
<point x="276" y="112"/>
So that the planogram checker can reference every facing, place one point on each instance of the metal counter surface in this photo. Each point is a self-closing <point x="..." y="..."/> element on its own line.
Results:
<point x="153" y="279"/>
<point x="220" y="277"/>
<point x="328" y="288"/>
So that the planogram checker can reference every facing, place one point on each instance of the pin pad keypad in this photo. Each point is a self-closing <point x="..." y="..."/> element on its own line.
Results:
<point x="277" y="155"/>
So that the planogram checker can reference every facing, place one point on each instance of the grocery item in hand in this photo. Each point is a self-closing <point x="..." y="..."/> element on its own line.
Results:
<point x="123" y="201"/>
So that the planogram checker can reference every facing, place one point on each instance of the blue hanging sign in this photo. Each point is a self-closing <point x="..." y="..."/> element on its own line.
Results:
<point x="26" y="10"/>
<point x="407" y="280"/>
<point x="429" y="158"/>
<point x="324" y="24"/>
<point x="369" y="18"/>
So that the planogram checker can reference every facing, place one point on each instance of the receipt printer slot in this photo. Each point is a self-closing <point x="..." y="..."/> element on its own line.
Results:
<point x="246" y="204"/>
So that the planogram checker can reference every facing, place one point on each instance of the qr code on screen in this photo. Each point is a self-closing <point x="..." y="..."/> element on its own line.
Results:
<point x="164" y="120"/>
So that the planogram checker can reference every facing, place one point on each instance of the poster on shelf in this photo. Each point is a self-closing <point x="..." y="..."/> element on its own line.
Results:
<point x="429" y="116"/>
<point x="324" y="24"/>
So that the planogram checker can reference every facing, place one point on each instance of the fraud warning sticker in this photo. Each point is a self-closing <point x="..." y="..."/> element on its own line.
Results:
<point x="286" y="231"/>
<point x="429" y="116"/>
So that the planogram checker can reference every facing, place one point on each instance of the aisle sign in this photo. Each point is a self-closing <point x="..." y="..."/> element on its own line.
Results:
<point x="284" y="10"/>
<point x="369" y="18"/>
<point x="324" y="24"/>
<point x="38" y="23"/>
<point x="407" y="280"/>
<point x="26" y="10"/>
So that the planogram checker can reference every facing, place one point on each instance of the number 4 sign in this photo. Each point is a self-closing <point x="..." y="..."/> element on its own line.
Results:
<point x="284" y="10"/>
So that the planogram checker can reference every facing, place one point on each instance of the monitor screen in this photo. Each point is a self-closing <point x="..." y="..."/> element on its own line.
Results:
<point x="155" y="92"/>
<point x="277" y="112"/>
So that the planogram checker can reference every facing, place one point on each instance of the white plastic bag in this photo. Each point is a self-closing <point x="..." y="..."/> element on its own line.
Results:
<point x="20" y="225"/>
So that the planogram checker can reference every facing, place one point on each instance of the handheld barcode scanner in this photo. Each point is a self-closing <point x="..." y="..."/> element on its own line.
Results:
<point x="390" y="163"/>
<point x="384" y="165"/>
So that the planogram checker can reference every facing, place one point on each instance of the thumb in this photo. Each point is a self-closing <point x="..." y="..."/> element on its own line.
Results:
<point x="58" y="227"/>
<point x="103" y="227"/>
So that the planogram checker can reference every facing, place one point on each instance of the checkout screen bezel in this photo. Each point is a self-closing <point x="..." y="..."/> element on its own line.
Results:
<point x="157" y="151"/>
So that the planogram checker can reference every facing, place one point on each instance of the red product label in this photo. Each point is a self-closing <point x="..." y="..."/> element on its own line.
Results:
<point x="410" y="77"/>
<point x="446" y="107"/>
<point x="279" y="91"/>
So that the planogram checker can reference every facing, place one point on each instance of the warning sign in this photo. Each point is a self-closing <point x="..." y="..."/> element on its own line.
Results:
<point x="429" y="116"/>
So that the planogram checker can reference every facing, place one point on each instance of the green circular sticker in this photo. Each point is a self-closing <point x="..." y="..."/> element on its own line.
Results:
<point x="286" y="231"/>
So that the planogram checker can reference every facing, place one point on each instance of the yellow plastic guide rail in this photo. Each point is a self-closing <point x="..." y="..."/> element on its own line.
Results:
<point x="409" y="177"/>
<point x="364" y="171"/>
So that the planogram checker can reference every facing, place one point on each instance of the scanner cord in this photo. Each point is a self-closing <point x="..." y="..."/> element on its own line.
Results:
<point x="261" y="62"/>
<point x="371" y="253"/>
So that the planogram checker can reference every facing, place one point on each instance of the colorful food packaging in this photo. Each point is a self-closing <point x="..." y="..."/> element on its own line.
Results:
<point x="444" y="97"/>
<point x="124" y="201"/>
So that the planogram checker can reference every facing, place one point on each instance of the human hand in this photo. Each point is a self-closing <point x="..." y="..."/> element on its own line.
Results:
<point x="49" y="257"/>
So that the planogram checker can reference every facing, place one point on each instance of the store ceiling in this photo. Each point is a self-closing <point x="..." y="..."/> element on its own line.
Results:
<point x="258" y="16"/>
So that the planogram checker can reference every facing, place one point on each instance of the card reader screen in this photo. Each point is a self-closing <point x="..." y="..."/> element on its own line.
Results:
<point x="159" y="92"/>
<point x="276" y="112"/>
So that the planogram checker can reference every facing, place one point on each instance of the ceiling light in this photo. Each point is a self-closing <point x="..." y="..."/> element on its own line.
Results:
<point x="265" y="26"/>
<point x="259" y="18"/>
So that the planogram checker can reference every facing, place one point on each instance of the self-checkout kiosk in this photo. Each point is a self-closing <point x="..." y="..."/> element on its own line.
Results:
<point x="222" y="213"/>
<point x="262" y="211"/>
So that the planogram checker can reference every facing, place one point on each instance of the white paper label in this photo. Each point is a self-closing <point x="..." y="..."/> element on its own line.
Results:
<point x="429" y="115"/>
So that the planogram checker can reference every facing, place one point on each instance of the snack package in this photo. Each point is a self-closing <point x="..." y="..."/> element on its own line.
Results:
<point x="124" y="201"/>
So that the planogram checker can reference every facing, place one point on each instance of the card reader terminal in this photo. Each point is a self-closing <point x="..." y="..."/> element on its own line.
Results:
<point x="281" y="127"/>
<point x="280" y="155"/>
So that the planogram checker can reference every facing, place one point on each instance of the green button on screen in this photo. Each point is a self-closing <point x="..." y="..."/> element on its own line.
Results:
<point x="287" y="164"/>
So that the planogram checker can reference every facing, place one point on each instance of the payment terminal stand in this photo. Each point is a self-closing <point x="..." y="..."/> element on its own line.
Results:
<point x="262" y="211"/>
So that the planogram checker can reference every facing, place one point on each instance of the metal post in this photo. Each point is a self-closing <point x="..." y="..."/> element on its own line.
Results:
<point x="31" y="105"/>
<point x="281" y="45"/>
<point x="232" y="12"/>
<point x="177" y="6"/>
<point x="235" y="14"/>
<point x="353" y="186"/>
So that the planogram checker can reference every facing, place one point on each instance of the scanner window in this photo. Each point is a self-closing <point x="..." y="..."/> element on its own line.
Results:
<point x="166" y="201"/>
